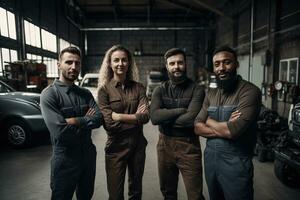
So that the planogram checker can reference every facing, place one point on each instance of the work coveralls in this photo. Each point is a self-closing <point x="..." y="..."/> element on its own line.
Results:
<point x="73" y="163"/>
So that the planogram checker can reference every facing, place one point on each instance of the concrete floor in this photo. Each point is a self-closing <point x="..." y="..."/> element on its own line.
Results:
<point x="24" y="174"/>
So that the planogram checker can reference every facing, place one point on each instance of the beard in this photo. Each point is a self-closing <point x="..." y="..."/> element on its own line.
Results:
<point x="229" y="83"/>
<point x="69" y="77"/>
<point x="177" y="79"/>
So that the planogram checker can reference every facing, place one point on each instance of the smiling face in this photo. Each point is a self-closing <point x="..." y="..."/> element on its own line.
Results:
<point x="69" y="65"/>
<point x="119" y="63"/>
<point x="225" y="65"/>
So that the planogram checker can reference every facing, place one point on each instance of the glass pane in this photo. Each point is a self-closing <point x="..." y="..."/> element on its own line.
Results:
<point x="13" y="55"/>
<point x="49" y="41"/>
<point x="55" y="69"/>
<point x="283" y="71"/>
<point x="37" y="36"/>
<point x="3" y="22"/>
<point x="53" y="43"/>
<point x="5" y="56"/>
<point x="63" y="44"/>
<point x="27" y="33"/>
<point x="44" y="40"/>
<point x="293" y="71"/>
<point x="32" y="34"/>
<point x="39" y="59"/>
<point x="28" y="56"/>
<point x="11" y="25"/>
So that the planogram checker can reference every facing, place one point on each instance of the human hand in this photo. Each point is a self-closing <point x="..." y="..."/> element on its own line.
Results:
<point x="141" y="108"/>
<point x="72" y="121"/>
<point x="235" y="115"/>
<point x="90" y="112"/>
<point x="115" y="116"/>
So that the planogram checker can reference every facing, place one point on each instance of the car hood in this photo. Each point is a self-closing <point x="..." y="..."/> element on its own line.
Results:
<point x="24" y="96"/>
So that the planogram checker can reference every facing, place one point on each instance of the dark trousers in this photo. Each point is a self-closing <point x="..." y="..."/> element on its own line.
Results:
<point x="228" y="176"/>
<point x="180" y="154"/>
<point x="73" y="169"/>
<point x="120" y="154"/>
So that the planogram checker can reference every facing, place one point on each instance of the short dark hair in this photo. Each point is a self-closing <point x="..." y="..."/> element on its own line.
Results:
<point x="70" y="49"/>
<point x="174" y="51"/>
<point x="227" y="49"/>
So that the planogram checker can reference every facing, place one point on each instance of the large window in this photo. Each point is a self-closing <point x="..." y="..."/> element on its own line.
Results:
<point x="51" y="64"/>
<point x="7" y="55"/>
<point x="32" y="34"/>
<point x="63" y="44"/>
<point x="7" y="24"/>
<point x="49" y="41"/>
<point x="288" y="70"/>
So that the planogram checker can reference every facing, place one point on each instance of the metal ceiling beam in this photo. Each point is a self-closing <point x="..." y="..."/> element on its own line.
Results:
<point x="109" y="5"/>
<point x="145" y="28"/>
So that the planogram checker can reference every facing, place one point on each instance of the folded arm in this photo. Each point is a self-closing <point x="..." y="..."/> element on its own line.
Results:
<point x="160" y="115"/>
<point x="141" y="116"/>
<point x="187" y="119"/>
<point x="213" y="128"/>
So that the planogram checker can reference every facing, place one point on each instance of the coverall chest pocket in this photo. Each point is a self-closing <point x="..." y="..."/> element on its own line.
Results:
<point x="170" y="103"/>
<point x="115" y="104"/>
<point x="226" y="111"/>
<point x="213" y="112"/>
<point x="68" y="112"/>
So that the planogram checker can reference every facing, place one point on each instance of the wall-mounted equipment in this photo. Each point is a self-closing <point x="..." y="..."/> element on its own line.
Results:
<point x="286" y="91"/>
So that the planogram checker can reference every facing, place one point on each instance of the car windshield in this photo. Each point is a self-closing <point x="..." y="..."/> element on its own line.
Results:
<point x="90" y="82"/>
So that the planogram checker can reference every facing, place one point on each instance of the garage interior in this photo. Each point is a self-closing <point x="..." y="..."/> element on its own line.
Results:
<point x="265" y="33"/>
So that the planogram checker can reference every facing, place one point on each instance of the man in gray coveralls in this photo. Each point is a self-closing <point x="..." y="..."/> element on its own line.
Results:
<point x="70" y="113"/>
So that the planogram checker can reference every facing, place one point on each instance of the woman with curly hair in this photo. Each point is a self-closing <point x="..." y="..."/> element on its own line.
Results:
<point x="123" y="103"/>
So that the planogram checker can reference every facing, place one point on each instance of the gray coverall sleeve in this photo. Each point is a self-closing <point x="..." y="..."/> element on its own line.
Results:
<point x="55" y="121"/>
<point x="160" y="115"/>
<point x="187" y="119"/>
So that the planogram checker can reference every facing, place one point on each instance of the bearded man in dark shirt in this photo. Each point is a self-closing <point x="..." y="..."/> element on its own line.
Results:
<point x="174" y="106"/>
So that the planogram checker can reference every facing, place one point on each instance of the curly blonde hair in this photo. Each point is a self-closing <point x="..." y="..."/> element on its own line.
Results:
<point x="106" y="73"/>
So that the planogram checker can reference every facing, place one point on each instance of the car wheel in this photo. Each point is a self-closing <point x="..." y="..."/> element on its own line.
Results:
<point x="18" y="134"/>
<point x="286" y="174"/>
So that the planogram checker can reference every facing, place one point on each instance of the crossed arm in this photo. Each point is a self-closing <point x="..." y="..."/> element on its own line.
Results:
<point x="213" y="128"/>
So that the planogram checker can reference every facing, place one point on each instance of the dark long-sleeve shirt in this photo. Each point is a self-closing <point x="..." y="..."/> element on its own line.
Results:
<point x="174" y="107"/>
<point x="113" y="98"/>
<point x="58" y="102"/>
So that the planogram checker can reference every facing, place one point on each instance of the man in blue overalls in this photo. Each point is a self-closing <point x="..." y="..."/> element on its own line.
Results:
<point x="228" y="121"/>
